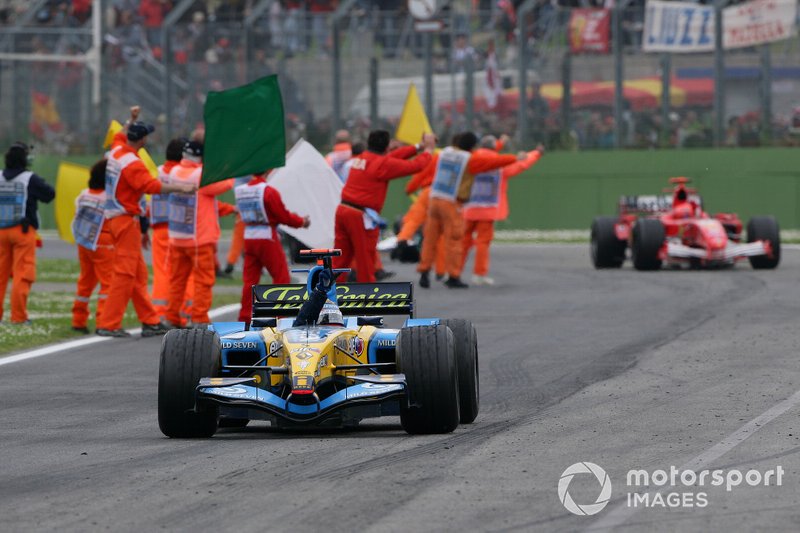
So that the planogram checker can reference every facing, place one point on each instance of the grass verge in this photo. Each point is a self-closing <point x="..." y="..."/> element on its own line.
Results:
<point x="51" y="317"/>
<point x="67" y="271"/>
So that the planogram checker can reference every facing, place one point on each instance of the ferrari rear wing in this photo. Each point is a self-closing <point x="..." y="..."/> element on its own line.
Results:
<point x="397" y="298"/>
<point x="650" y="204"/>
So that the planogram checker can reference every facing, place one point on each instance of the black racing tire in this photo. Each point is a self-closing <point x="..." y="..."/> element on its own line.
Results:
<point x="186" y="356"/>
<point x="648" y="238"/>
<point x="466" y="345"/>
<point x="607" y="250"/>
<point x="233" y="423"/>
<point x="765" y="228"/>
<point x="426" y="355"/>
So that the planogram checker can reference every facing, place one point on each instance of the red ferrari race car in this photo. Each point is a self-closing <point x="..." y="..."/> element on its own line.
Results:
<point x="674" y="229"/>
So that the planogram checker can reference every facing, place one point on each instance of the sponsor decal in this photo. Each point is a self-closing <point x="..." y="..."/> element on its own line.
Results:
<point x="239" y="393"/>
<point x="304" y="355"/>
<point x="291" y="297"/>
<point x="387" y="343"/>
<point x="235" y="336"/>
<point x="342" y="343"/>
<point x="274" y="346"/>
<point x="358" y="345"/>
<point x="371" y="389"/>
<point x="236" y="345"/>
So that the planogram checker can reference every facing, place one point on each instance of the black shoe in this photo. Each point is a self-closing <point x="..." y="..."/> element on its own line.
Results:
<point x="439" y="277"/>
<point x="119" y="333"/>
<point x="456" y="283"/>
<point x="83" y="330"/>
<point x="229" y="269"/>
<point x="424" y="280"/>
<point x="224" y="274"/>
<point x="381" y="275"/>
<point x="151" y="330"/>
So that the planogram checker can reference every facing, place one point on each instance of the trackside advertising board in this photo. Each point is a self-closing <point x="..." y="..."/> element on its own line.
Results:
<point x="682" y="27"/>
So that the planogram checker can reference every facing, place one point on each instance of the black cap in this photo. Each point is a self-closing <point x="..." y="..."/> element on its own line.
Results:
<point x="193" y="148"/>
<point x="139" y="130"/>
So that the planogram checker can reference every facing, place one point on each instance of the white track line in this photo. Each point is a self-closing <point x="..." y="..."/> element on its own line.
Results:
<point x="63" y="346"/>
<point x="622" y="513"/>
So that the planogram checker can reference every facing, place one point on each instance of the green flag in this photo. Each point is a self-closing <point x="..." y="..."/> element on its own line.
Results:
<point x="244" y="131"/>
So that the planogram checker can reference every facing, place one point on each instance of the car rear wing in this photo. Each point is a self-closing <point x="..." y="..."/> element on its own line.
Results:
<point x="397" y="298"/>
<point x="649" y="204"/>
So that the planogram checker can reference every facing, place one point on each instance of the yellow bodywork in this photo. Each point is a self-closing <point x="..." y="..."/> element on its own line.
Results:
<point x="311" y="359"/>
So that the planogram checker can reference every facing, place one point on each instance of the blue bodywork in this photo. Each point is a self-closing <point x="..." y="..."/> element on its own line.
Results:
<point x="367" y="394"/>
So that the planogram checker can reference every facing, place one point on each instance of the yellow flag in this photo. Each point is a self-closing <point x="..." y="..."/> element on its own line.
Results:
<point x="70" y="181"/>
<point x="148" y="162"/>
<point x="413" y="122"/>
<point x="113" y="128"/>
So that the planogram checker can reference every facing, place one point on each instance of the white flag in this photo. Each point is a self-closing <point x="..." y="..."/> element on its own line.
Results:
<point x="493" y="86"/>
<point x="309" y="187"/>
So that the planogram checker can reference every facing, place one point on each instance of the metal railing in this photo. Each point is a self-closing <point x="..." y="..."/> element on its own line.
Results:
<point x="352" y="67"/>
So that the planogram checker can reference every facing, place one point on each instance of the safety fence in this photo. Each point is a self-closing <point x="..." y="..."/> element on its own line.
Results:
<point x="350" y="67"/>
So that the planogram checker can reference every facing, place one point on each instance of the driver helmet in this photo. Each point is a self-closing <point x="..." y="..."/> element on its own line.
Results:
<point x="330" y="315"/>
<point x="684" y="210"/>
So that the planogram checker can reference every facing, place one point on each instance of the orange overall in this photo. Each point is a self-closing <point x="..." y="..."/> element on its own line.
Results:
<point x="19" y="221"/>
<point x="488" y="203"/>
<point x="97" y="266"/>
<point x="193" y="244"/>
<point x="415" y="217"/>
<point x="127" y="180"/>
<point x="237" y="242"/>
<point x="444" y="214"/>
<point x="159" y="249"/>
<point x="17" y="255"/>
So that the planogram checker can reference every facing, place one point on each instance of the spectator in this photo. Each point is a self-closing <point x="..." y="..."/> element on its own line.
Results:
<point x="321" y="10"/>
<point x="462" y="54"/>
<point x="153" y="13"/>
<point x="538" y="111"/>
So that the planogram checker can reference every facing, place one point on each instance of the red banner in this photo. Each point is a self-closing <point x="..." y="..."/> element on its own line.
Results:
<point x="589" y="31"/>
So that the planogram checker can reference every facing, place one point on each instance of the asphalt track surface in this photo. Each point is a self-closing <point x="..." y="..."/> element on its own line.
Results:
<point x="621" y="368"/>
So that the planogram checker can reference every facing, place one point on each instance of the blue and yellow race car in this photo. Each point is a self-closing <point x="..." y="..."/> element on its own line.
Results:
<point x="320" y="375"/>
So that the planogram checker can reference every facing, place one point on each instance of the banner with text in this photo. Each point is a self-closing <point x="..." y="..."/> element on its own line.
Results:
<point x="589" y="31"/>
<point x="682" y="27"/>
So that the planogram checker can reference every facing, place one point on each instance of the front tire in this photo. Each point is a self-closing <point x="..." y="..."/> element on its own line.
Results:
<point x="648" y="238"/>
<point x="765" y="228"/>
<point x="466" y="346"/>
<point x="607" y="250"/>
<point x="186" y="356"/>
<point x="426" y="355"/>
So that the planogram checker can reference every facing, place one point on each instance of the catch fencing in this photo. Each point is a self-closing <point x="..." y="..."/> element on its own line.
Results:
<point x="350" y="67"/>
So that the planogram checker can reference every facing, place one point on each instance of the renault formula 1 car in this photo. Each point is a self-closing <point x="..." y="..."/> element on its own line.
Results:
<point x="674" y="229"/>
<point x="330" y="375"/>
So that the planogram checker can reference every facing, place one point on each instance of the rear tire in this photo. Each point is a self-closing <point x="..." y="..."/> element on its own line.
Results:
<point x="426" y="355"/>
<point x="466" y="345"/>
<point x="607" y="250"/>
<point x="765" y="229"/>
<point x="648" y="238"/>
<point x="186" y="356"/>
